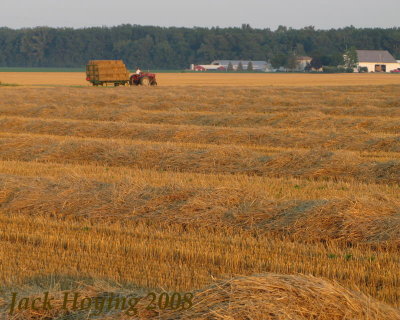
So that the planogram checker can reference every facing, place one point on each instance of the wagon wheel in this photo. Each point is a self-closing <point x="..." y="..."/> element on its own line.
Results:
<point x="145" y="81"/>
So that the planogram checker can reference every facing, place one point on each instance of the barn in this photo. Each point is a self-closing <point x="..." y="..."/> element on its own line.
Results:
<point x="257" y="65"/>
<point x="376" y="60"/>
<point x="207" y="67"/>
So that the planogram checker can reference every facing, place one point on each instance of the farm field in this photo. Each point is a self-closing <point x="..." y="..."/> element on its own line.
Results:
<point x="209" y="79"/>
<point x="268" y="196"/>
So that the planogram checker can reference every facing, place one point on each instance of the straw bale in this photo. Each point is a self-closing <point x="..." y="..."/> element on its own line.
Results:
<point x="107" y="70"/>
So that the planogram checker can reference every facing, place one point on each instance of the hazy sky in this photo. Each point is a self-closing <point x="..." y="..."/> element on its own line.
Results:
<point x="323" y="14"/>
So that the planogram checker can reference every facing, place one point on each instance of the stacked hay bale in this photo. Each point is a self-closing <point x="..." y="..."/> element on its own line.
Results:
<point x="107" y="71"/>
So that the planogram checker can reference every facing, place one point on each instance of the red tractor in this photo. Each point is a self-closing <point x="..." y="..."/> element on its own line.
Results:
<point x="143" y="79"/>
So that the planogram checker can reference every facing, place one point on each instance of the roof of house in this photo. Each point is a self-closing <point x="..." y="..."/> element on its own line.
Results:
<point x="375" y="56"/>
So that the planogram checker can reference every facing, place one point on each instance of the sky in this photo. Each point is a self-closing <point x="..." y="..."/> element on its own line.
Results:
<point x="323" y="14"/>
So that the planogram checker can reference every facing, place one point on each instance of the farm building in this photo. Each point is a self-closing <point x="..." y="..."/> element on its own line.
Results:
<point x="302" y="62"/>
<point x="257" y="65"/>
<point x="207" y="67"/>
<point x="376" y="60"/>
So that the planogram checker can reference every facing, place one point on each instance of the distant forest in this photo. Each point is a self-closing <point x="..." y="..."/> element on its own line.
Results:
<point x="176" y="48"/>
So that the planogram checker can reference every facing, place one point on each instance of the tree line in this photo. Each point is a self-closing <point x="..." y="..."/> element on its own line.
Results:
<point x="176" y="48"/>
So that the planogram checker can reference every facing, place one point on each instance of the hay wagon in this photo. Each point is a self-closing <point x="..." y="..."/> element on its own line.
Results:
<point x="114" y="72"/>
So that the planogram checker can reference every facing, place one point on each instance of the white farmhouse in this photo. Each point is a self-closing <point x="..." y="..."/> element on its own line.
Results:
<point x="376" y="60"/>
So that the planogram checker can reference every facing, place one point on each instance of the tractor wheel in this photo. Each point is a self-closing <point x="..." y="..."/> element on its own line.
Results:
<point x="153" y="82"/>
<point x="145" y="81"/>
<point x="134" y="82"/>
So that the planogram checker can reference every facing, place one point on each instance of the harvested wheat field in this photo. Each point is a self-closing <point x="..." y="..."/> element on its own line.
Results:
<point x="273" y="202"/>
<point x="207" y="79"/>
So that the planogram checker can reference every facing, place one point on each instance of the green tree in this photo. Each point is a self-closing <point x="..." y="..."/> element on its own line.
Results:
<point x="34" y="45"/>
<point x="240" y="67"/>
<point x="250" y="66"/>
<point x="299" y="50"/>
<point x="230" y="66"/>
<point x="316" y="63"/>
<point x="350" y="59"/>
<point x="175" y="48"/>
<point x="291" y="62"/>
<point x="278" y="60"/>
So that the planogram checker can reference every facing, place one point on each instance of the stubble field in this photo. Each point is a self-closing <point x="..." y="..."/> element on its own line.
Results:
<point x="210" y="79"/>
<point x="270" y="198"/>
